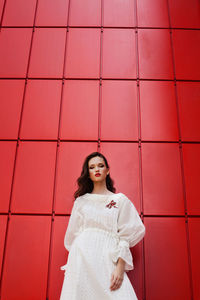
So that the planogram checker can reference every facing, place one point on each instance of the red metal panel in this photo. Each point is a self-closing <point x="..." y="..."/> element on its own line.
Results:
<point x="184" y="13"/>
<point x="186" y="52"/>
<point x="119" y="60"/>
<point x="189" y="108"/>
<point x="158" y="111"/>
<point x="70" y="160"/>
<point x="126" y="170"/>
<point x="83" y="53"/>
<point x="48" y="52"/>
<point x="162" y="181"/>
<point x="80" y="110"/>
<point x="41" y="109"/>
<point x="52" y="13"/>
<point x="136" y="275"/>
<point x="194" y="230"/>
<point x="3" y="222"/>
<point x="34" y="177"/>
<point x="155" y="55"/>
<point x="85" y="13"/>
<point x="58" y="258"/>
<point x="10" y="105"/>
<point x="119" y="13"/>
<point x="152" y="13"/>
<point x="19" y="13"/>
<point x="122" y="123"/>
<point x="191" y="154"/>
<point x="7" y="157"/>
<point x="26" y="260"/>
<point x="14" y="51"/>
<point x="166" y="261"/>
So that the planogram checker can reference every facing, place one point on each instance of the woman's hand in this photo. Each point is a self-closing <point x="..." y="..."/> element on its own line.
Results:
<point x="117" y="275"/>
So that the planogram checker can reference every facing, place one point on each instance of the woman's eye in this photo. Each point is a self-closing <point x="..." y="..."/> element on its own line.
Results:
<point x="101" y="166"/>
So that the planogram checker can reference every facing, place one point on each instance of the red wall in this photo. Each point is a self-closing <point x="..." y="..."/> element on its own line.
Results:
<point x="118" y="76"/>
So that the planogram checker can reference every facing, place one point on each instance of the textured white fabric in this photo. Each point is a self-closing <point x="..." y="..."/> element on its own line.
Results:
<point x="96" y="237"/>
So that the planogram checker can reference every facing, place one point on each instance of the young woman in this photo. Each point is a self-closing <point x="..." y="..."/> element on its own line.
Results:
<point x="102" y="227"/>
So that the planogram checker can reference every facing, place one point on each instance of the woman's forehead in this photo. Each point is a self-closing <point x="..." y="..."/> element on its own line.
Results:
<point x="96" y="160"/>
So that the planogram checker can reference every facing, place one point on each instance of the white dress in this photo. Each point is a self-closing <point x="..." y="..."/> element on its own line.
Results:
<point x="101" y="229"/>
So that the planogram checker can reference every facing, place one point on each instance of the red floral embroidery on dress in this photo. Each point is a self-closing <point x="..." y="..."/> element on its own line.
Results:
<point x="111" y="204"/>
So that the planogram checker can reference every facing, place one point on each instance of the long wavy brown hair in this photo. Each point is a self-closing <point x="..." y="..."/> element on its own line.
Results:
<point x="85" y="184"/>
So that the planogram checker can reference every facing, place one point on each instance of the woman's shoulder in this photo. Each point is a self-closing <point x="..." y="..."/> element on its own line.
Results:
<point x="124" y="200"/>
<point x="123" y="197"/>
<point x="79" y="198"/>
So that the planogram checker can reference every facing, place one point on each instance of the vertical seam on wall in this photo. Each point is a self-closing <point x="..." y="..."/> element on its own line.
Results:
<point x="52" y="229"/>
<point x="181" y="157"/>
<point x="4" y="249"/>
<point x="186" y="224"/>
<point x="139" y="145"/>
<point x="100" y="80"/>
<point x="27" y="70"/>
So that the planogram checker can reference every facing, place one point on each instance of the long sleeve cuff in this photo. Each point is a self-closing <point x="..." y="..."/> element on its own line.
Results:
<point x="122" y="250"/>
<point x="63" y="267"/>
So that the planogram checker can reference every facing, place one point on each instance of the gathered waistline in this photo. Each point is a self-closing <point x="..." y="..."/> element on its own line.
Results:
<point x="109" y="233"/>
<point x="82" y="229"/>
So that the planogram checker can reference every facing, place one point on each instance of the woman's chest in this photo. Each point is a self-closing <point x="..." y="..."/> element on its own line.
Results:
<point x="101" y="210"/>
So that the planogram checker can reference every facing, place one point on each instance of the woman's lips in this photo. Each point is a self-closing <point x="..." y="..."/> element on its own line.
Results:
<point x="97" y="174"/>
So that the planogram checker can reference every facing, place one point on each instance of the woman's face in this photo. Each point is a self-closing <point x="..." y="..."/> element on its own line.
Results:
<point x="96" y="165"/>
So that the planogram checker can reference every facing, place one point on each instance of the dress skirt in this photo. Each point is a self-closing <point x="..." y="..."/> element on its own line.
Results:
<point x="89" y="266"/>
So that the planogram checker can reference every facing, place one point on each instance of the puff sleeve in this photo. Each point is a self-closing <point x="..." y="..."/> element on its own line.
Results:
<point x="74" y="225"/>
<point x="131" y="230"/>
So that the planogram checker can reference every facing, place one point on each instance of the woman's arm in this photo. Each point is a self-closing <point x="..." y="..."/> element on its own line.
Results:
<point x="130" y="230"/>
